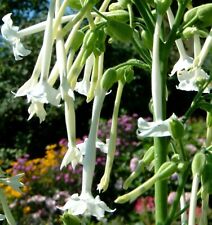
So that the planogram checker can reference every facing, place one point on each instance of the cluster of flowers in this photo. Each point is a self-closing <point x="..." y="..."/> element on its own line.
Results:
<point x="78" y="49"/>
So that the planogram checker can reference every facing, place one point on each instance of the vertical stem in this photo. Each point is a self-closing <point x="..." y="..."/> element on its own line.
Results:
<point x="89" y="160"/>
<point x="159" y="105"/>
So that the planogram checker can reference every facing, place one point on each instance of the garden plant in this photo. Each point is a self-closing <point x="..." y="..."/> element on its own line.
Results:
<point x="79" y="32"/>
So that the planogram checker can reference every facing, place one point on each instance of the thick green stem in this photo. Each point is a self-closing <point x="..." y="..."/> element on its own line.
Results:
<point x="159" y="105"/>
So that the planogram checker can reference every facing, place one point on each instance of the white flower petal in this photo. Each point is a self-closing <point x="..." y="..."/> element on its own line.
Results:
<point x="85" y="204"/>
<point x="37" y="108"/>
<point x="44" y="93"/>
<point x="73" y="156"/>
<point x="103" y="146"/>
<point x="82" y="87"/>
<point x="19" y="50"/>
<point x="184" y="63"/>
<point x="153" y="129"/>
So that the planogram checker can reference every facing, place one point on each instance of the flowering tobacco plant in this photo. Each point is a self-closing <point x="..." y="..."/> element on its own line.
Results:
<point x="79" y="67"/>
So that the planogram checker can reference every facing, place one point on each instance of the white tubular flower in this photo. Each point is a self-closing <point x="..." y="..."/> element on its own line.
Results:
<point x="87" y="205"/>
<point x="103" y="146"/>
<point x="10" y="33"/>
<point x="189" y="80"/>
<point x="73" y="156"/>
<point x="153" y="129"/>
<point x="13" y="181"/>
<point x="37" y="108"/>
<point x="44" y="93"/>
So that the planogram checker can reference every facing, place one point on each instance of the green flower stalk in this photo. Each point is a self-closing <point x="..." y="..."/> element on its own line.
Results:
<point x="104" y="182"/>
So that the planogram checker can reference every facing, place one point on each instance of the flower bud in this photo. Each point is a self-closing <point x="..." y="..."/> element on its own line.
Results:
<point x="166" y="170"/>
<point x="198" y="163"/>
<point x="147" y="39"/>
<point x="79" y="36"/>
<point x="148" y="156"/>
<point x="119" y="31"/>
<point x="162" y="5"/>
<point x="108" y="79"/>
<point x="176" y="128"/>
<point x="125" y="74"/>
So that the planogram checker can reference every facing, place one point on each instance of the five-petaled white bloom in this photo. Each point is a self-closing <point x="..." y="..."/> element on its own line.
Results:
<point x="87" y="205"/>
<point x="10" y="33"/>
<point x="73" y="156"/>
<point x="190" y="80"/>
<point x="153" y="129"/>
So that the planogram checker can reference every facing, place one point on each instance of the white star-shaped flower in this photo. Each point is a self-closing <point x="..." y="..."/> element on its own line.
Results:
<point x="86" y="205"/>
<point x="10" y="33"/>
<point x="189" y="79"/>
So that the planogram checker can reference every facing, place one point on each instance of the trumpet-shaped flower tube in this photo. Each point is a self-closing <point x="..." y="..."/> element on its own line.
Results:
<point x="10" y="33"/>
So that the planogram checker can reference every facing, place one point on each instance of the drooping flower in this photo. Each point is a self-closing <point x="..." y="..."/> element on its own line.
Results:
<point x="191" y="80"/>
<point x="37" y="108"/>
<point x="73" y="156"/>
<point x="10" y="33"/>
<point x="158" y="128"/>
<point x="13" y="182"/>
<point x="44" y="93"/>
<point x="103" y="146"/>
<point x="87" y="205"/>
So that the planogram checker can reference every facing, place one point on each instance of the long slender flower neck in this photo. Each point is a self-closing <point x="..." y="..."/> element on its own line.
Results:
<point x="156" y="73"/>
<point x="205" y="49"/>
<point x="47" y="43"/>
<point x="197" y="45"/>
<point x="178" y="42"/>
<point x="90" y="148"/>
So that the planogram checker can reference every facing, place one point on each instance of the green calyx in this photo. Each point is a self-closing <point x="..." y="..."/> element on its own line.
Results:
<point x="189" y="32"/>
<point x="176" y="128"/>
<point x="162" y="5"/>
<point x="75" y="4"/>
<point x="108" y="79"/>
